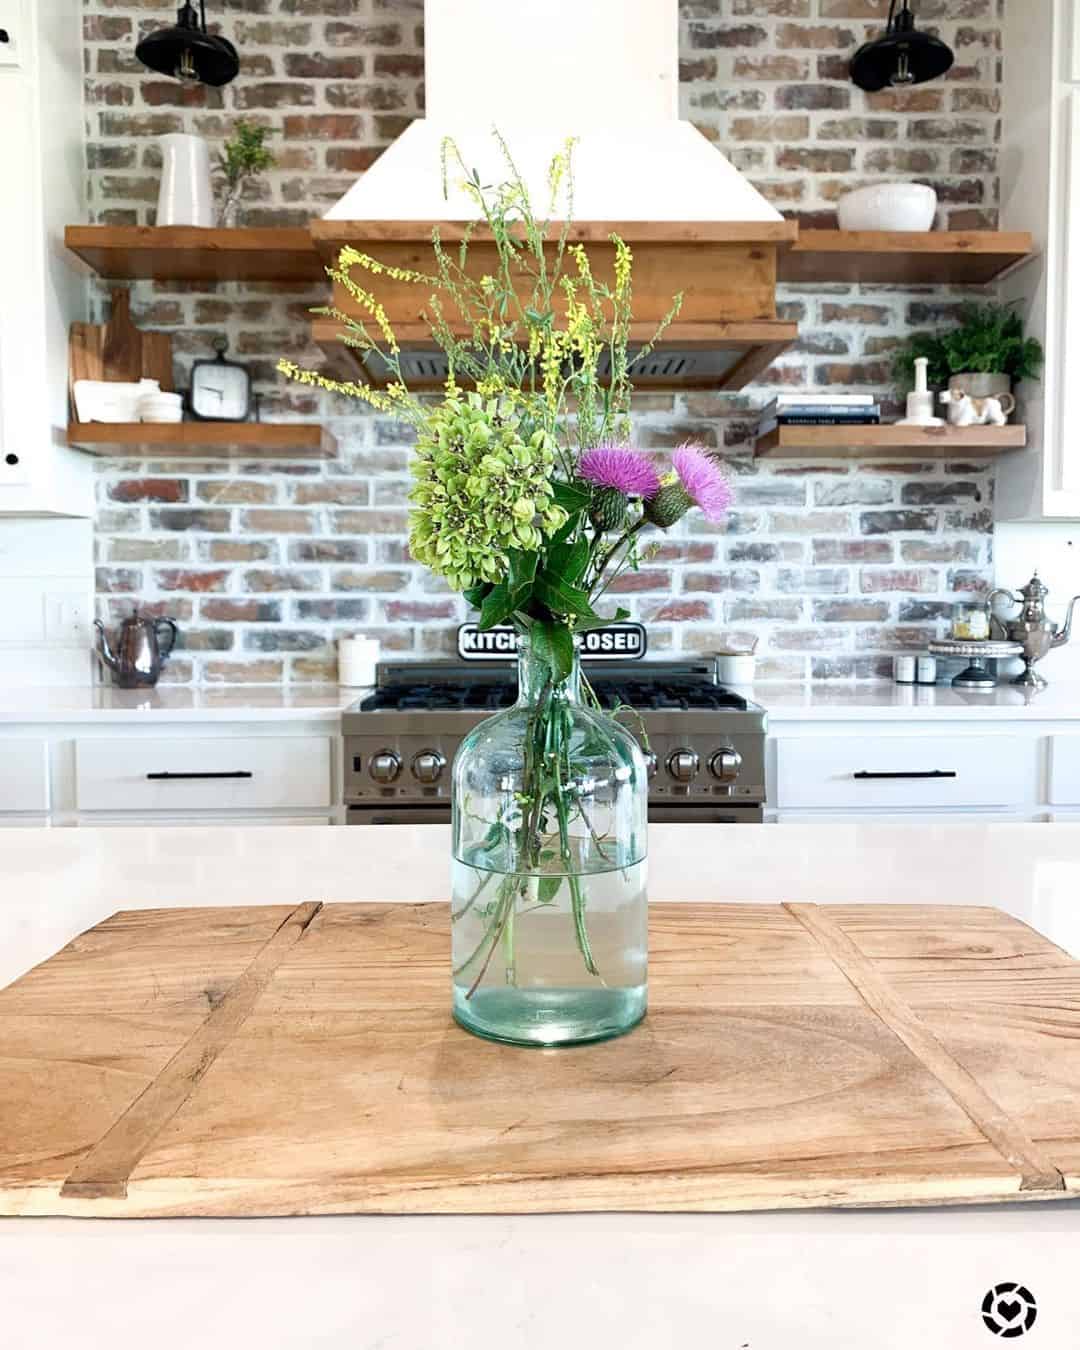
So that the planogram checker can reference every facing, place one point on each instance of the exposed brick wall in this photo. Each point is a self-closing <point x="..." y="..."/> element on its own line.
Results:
<point x="832" y="565"/>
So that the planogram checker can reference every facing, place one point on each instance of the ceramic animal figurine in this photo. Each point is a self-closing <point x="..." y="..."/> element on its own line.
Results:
<point x="966" y="411"/>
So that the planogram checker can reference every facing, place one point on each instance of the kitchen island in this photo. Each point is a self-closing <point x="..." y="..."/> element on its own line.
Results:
<point x="766" y="1280"/>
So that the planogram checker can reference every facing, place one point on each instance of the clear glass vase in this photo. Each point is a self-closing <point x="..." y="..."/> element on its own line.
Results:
<point x="549" y="873"/>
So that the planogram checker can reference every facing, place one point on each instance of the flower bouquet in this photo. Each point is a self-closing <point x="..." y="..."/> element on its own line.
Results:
<point x="528" y="499"/>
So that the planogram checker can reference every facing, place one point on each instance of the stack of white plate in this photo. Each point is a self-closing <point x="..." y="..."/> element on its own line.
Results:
<point x="117" y="401"/>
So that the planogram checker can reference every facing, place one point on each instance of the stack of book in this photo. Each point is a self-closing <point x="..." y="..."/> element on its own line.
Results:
<point x="819" y="410"/>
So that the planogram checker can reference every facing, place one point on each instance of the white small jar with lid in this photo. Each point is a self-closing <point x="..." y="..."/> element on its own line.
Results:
<point x="904" y="669"/>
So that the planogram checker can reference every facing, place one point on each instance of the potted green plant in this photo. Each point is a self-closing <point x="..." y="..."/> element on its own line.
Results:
<point x="242" y="158"/>
<point x="982" y="357"/>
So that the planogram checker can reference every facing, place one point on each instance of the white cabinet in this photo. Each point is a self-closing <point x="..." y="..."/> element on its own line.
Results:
<point x="1065" y="771"/>
<point x="1040" y="171"/>
<point x="157" y="770"/>
<point x="24" y="775"/>
<point x="927" y="769"/>
<point x="204" y="773"/>
<point x="42" y="170"/>
<point x="905" y="773"/>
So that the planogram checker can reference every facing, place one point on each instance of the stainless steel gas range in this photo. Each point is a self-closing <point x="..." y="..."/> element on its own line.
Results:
<point x="707" y="743"/>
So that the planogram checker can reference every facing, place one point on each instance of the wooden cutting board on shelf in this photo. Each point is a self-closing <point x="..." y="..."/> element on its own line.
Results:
<point x="118" y="350"/>
<point x="271" y="1060"/>
<point x="121" y="352"/>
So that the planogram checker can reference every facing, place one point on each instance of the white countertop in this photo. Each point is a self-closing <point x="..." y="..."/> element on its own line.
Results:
<point x="55" y="883"/>
<point x="838" y="1279"/>
<point x="168" y="703"/>
<point x="885" y="701"/>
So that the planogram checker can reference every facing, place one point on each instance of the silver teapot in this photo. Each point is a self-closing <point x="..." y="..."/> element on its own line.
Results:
<point x="141" y="650"/>
<point x="1031" y="628"/>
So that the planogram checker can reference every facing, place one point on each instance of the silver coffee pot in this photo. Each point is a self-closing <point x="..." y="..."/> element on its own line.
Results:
<point x="1031" y="628"/>
<point x="142" y="648"/>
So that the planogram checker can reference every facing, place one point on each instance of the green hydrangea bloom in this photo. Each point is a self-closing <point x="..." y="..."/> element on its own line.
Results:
<point x="482" y="484"/>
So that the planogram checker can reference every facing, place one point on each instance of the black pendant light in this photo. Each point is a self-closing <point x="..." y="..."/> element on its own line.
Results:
<point x="902" y="56"/>
<point x="188" y="51"/>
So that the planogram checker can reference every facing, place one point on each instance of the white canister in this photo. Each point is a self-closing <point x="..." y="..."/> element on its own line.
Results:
<point x="904" y="669"/>
<point x="735" y="668"/>
<point x="185" y="196"/>
<point x="357" y="658"/>
<point x="926" y="670"/>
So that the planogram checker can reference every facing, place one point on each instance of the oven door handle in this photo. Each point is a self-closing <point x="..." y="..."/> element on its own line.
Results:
<point x="864" y="775"/>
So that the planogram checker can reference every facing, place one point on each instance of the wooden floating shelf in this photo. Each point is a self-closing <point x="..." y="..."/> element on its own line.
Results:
<point x="887" y="441"/>
<point x="189" y="253"/>
<point x="176" y="440"/>
<point x="962" y="257"/>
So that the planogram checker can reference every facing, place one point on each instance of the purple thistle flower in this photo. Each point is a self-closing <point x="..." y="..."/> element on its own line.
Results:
<point x="619" y="467"/>
<point x="704" y="481"/>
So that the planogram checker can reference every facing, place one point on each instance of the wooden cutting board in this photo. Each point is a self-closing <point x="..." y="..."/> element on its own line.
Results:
<point x="302" y="1061"/>
<point x="121" y="352"/>
<point x="118" y="351"/>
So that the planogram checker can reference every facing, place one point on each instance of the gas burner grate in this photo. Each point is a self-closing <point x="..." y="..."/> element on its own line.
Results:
<point x="645" y="695"/>
<point x="659" y="696"/>
<point x="430" y="697"/>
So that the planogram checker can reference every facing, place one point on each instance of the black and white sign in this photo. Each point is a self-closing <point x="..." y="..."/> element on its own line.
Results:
<point x="613" y="642"/>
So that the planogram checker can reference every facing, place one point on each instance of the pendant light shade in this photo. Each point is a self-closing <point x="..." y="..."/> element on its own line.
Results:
<point x="902" y="56"/>
<point x="188" y="51"/>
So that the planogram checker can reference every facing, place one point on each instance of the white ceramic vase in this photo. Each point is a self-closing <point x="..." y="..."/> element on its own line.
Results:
<point x="186" y="196"/>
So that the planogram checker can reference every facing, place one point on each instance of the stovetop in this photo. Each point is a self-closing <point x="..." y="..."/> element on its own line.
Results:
<point x="706" y="743"/>
<point x="657" y="686"/>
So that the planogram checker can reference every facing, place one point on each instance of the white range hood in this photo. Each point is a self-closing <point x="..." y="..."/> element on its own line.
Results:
<point x="602" y="71"/>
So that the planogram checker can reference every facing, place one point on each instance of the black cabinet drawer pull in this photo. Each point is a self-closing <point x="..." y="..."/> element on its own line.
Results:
<point x="238" y="773"/>
<point x="927" y="773"/>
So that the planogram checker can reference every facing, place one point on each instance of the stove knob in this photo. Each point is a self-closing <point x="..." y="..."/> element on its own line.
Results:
<point x="427" y="766"/>
<point x="385" y="766"/>
<point x="683" y="765"/>
<point x="725" y="764"/>
<point x="650" y="763"/>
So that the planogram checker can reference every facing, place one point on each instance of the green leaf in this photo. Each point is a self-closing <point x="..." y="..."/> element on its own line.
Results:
<point x="562" y="598"/>
<point x="497" y="607"/>
<point x="522" y="573"/>
<point x="548" y="889"/>
<point x="553" y="643"/>
<point x="565" y="531"/>
<point x="571" y="497"/>
<point x="600" y="621"/>
<point x="477" y="594"/>
<point x="568" y="560"/>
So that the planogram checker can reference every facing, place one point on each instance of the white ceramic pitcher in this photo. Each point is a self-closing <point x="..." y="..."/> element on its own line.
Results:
<point x="186" y="196"/>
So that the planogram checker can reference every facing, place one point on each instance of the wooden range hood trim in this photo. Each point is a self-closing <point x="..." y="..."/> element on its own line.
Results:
<point x="726" y="269"/>
<point x="760" y="341"/>
<point x="330" y="235"/>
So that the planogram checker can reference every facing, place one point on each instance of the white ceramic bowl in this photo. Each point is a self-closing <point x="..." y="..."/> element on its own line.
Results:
<point x="161" y="407"/>
<point x="907" y="207"/>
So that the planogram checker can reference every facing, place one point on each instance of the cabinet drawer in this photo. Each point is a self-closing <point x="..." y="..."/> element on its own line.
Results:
<point x="24" y="775"/>
<point x="1065" y="770"/>
<point x="872" y="772"/>
<point x="199" y="774"/>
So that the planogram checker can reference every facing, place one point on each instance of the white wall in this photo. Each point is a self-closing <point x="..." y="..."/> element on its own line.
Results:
<point x="1053" y="549"/>
<point x="46" y="601"/>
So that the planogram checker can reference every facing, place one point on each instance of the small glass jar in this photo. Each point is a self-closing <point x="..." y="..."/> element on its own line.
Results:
<point x="970" y="622"/>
